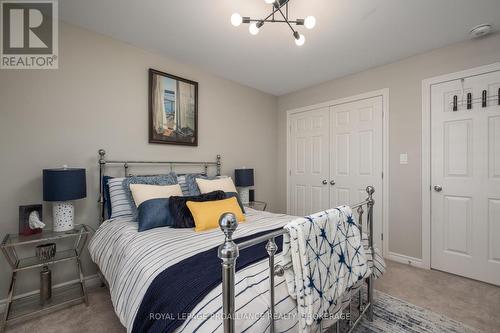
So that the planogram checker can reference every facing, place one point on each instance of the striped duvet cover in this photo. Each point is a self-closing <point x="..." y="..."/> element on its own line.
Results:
<point x="130" y="260"/>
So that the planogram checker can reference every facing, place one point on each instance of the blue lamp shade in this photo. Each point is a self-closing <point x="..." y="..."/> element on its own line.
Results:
<point x="64" y="184"/>
<point x="243" y="177"/>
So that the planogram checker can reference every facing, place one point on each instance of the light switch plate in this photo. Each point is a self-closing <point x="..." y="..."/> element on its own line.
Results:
<point x="403" y="158"/>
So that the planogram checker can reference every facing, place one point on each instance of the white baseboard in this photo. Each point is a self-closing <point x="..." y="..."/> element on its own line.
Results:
<point x="91" y="281"/>
<point x="401" y="258"/>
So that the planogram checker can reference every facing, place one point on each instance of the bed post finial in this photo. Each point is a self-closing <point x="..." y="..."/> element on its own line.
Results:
<point x="228" y="252"/>
<point x="370" y="190"/>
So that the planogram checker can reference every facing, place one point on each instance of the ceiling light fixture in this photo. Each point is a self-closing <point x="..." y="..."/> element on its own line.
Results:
<point x="236" y="19"/>
<point x="279" y="7"/>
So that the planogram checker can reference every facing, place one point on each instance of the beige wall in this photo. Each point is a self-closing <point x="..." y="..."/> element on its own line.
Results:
<point x="404" y="81"/>
<point x="98" y="99"/>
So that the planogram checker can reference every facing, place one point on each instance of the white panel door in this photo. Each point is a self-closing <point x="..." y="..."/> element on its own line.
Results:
<point x="356" y="156"/>
<point x="465" y="178"/>
<point x="308" y="162"/>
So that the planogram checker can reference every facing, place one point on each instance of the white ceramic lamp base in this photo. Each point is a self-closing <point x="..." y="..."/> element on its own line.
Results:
<point x="244" y="193"/>
<point x="63" y="213"/>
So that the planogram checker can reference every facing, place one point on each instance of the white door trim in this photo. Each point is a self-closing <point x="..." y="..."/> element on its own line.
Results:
<point x="385" y="150"/>
<point x="426" y="149"/>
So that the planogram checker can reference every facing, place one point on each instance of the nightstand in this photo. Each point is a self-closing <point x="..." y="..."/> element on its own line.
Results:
<point x="257" y="205"/>
<point x="28" y="307"/>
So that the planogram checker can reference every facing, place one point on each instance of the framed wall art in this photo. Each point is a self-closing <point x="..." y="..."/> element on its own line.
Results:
<point x="173" y="109"/>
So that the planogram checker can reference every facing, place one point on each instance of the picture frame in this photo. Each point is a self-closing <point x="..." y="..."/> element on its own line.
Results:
<point x="24" y="214"/>
<point x="173" y="109"/>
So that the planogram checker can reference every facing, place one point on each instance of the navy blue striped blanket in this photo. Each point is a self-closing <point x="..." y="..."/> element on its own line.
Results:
<point x="174" y="293"/>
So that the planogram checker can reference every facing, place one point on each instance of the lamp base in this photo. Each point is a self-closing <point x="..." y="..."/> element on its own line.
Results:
<point x="63" y="213"/>
<point x="244" y="193"/>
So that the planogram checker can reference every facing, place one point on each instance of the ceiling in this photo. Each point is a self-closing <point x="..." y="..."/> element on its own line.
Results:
<point x="350" y="35"/>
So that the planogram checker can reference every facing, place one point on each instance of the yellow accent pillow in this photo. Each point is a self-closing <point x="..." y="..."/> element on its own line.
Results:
<point x="206" y="214"/>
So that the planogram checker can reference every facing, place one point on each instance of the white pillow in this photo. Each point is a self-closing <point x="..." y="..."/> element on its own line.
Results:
<point x="144" y="192"/>
<point x="210" y="185"/>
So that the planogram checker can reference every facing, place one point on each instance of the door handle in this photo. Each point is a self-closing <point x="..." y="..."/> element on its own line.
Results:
<point x="332" y="182"/>
<point x="324" y="182"/>
<point x="438" y="188"/>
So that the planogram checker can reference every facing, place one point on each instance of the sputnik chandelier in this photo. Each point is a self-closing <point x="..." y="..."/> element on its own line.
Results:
<point x="280" y="9"/>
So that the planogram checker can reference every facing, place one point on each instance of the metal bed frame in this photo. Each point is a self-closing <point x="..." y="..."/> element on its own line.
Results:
<point x="229" y="251"/>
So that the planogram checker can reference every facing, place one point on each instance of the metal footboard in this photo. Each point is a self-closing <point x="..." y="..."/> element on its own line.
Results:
<point x="229" y="251"/>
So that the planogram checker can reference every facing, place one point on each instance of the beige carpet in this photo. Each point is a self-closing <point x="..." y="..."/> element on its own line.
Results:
<point x="470" y="302"/>
<point x="98" y="317"/>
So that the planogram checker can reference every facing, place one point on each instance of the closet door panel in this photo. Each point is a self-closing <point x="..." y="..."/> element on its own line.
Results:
<point x="309" y="162"/>
<point x="356" y="155"/>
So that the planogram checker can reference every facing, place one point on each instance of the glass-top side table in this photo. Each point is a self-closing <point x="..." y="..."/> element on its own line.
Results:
<point x="257" y="205"/>
<point x="28" y="307"/>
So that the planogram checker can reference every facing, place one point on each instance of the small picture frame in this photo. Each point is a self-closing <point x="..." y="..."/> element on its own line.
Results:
<point x="24" y="223"/>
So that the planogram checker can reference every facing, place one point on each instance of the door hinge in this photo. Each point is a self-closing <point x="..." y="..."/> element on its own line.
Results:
<point x="382" y="175"/>
<point x="382" y="236"/>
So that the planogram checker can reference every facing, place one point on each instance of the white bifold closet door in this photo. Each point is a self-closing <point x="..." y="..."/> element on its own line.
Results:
<point x="356" y="156"/>
<point x="334" y="154"/>
<point x="465" y="178"/>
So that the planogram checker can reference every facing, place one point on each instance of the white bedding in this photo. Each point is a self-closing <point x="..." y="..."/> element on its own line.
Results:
<point x="130" y="261"/>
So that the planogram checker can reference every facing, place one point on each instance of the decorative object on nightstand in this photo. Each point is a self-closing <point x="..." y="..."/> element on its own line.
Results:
<point x="243" y="179"/>
<point x="257" y="205"/>
<point x="44" y="255"/>
<point x="62" y="186"/>
<point x="30" y="219"/>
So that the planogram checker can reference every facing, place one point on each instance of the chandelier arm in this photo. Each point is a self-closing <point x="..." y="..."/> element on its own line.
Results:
<point x="286" y="19"/>
<point x="274" y="21"/>
<point x="272" y="14"/>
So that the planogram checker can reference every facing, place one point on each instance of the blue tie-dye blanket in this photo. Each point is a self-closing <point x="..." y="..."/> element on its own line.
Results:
<point x="327" y="258"/>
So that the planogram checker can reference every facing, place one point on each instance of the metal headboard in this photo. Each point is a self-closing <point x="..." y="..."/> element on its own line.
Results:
<point x="126" y="164"/>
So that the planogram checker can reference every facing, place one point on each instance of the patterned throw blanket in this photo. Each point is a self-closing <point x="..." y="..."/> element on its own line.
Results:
<point x="327" y="256"/>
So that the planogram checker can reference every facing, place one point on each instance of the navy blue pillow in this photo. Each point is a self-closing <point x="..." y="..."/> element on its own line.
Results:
<point x="154" y="213"/>
<point x="237" y="196"/>
<point x="107" y="200"/>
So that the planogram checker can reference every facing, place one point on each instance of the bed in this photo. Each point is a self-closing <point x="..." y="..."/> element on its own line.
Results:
<point x="130" y="261"/>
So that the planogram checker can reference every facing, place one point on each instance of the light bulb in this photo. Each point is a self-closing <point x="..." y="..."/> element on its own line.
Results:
<point x="253" y="29"/>
<point x="236" y="19"/>
<point x="310" y="22"/>
<point x="300" y="41"/>
<point x="270" y="1"/>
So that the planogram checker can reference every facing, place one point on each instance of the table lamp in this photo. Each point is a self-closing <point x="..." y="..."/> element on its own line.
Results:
<point x="61" y="187"/>
<point x="243" y="180"/>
